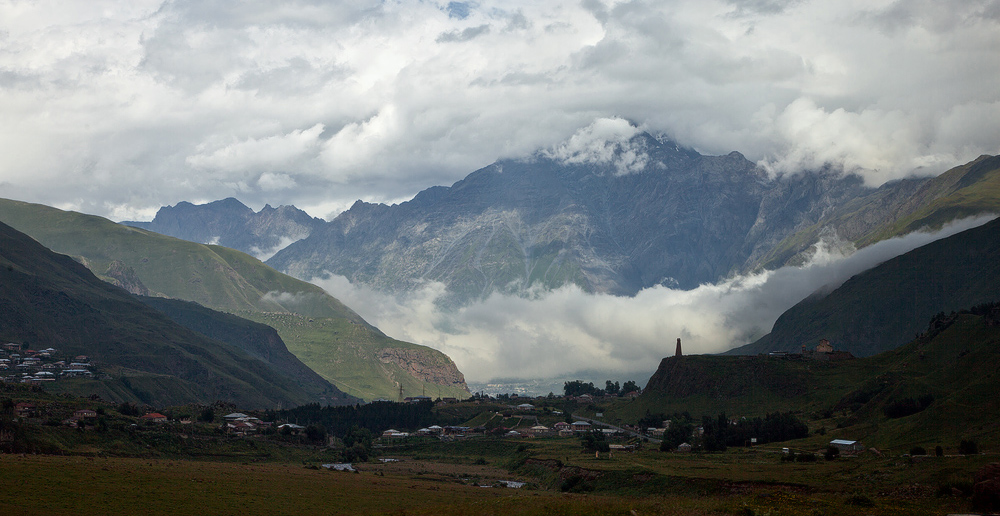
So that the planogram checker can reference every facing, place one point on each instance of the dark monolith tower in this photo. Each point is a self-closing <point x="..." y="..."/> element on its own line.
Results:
<point x="678" y="353"/>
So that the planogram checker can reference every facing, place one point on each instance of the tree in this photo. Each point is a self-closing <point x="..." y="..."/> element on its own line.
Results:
<point x="611" y="389"/>
<point x="207" y="415"/>
<point x="678" y="433"/>
<point x="968" y="447"/>
<point x="629" y="386"/>
<point x="578" y="388"/>
<point x="316" y="433"/>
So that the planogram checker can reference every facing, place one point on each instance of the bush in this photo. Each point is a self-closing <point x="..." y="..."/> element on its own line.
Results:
<point x="907" y="406"/>
<point x="860" y="500"/>
<point x="805" y="457"/>
<point x="939" y="451"/>
<point x="918" y="450"/>
<point x="968" y="448"/>
<point x="832" y="452"/>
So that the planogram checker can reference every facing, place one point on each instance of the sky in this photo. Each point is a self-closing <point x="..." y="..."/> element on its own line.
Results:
<point x="118" y="108"/>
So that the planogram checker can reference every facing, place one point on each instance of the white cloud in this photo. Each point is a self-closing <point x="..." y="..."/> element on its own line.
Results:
<point x="144" y="104"/>
<point x="607" y="141"/>
<point x="556" y="333"/>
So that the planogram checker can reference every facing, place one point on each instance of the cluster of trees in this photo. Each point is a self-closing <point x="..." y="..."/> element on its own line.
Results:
<point x="374" y="417"/>
<point x="719" y="433"/>
<point x="907" y="406"/>
<point x="579" y="388"/>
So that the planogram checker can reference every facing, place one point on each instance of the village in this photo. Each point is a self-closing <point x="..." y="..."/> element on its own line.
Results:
<point x="19" y="365"/>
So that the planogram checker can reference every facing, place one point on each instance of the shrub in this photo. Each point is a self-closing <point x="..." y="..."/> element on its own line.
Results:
<point x="805" y="457"/>
<point x="907" y="406"/>
<point x="832" y="452"/>
<point x="939" y="451"/>
<point x="918" y="450"/>
<point x="859" y="500"/>
<point x="968" y="447"/>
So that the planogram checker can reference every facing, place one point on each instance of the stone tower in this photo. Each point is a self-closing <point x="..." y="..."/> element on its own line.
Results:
<point x="678" y="352"/>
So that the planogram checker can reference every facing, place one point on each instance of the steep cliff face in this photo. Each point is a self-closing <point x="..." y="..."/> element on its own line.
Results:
<point x="123" y="276"/>
<point x="435" y="368"/>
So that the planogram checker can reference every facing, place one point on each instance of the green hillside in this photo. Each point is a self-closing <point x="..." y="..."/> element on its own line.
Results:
<point x="257" y="340"/>
<point x="947" y="377"/>
<point x="49" y="300"/>
<point x="884" y="307"/>
<point x="230" y="281"/>
<point x="902" y="207"/>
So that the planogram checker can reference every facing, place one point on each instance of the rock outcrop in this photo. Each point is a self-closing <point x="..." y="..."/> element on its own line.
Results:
<point x="434" y="368"/>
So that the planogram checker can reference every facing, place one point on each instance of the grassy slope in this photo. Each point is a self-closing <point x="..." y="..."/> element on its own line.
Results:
<point x="882" y="308"/>
<point x="346" y="353"/>
<point x="957" y="366"/>
<point x="225" y="280"/>
<point x="47" y="299"/>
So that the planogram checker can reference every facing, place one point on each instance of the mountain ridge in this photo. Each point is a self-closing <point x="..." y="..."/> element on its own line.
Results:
<point x="327" y="336"/>
<point x="683" y="220"/>
<point x="882" y="307"/>
<point x="48" y="299"/>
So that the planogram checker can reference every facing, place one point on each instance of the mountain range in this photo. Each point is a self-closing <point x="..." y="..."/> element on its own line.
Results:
<point x="684" y="219"/>
<point x="232" y="224"/>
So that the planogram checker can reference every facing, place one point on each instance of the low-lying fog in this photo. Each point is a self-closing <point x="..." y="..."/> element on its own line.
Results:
<point x="558" y="333"/>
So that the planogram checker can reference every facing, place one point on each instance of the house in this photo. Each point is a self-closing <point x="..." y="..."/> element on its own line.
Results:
<point x="526" y="407"/>
<point x="847" y="446"/>
<point x="235" y="416"/>
<point x="684" y="447"/>
<point x="241" y="428"/>
<point x="292" y="428"/>
<point x="154" y="417"/>
<point x="581" y="426"/>
<point x="562" y="425"/>
<point x="24" y="409"/>
<point x="540" y="431"/>
<point x="394" y="434"/>
<point x="416" y="399"/>
<point x="85" y="414"/>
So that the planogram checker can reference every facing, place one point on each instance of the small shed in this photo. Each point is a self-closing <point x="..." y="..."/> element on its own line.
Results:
<point x="154" y="417"/>
<point x="847" y="446"/>
<point x="684" y="447"/>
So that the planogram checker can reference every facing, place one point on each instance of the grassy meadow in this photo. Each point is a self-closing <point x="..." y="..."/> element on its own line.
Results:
<point x="431" y="479"/>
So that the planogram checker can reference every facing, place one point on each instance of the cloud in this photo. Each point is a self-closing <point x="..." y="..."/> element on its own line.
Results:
<point x="123" y="107"/>
<point x="265" y="254"/>
<point x="551" y="334"/>
<point x="607" y="141"/>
